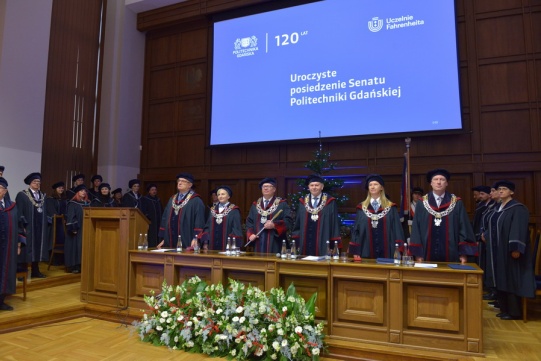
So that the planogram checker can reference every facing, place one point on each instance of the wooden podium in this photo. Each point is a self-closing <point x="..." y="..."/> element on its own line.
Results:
<point x="108" y="235"/>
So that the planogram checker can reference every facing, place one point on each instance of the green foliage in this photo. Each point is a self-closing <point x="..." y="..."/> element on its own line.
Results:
<point x="240" y="322"/>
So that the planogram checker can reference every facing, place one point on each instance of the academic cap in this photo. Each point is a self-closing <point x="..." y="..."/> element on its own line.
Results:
<point x="372" y="178"/>
<point x="438" y="171"/>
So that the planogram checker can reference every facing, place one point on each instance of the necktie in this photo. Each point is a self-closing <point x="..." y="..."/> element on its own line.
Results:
<point x="375" y="205"/>
<point x="36" y="196"/>
<point x="266" y="203"/>
<point x="314" y="202"/>
<point x="2" y="206"/>
<point x="438" y="201"/>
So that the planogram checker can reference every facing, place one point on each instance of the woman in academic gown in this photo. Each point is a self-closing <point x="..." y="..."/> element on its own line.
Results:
<point x="377" y="226"/>
<point x="74" y="225"/>
<point x="103" y="197"/>
<point x="224" y="221"/>
<point x="514" y="264"/>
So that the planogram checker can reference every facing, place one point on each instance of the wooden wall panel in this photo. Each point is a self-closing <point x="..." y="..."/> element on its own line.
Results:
<point x="163" y="50"/>
<point x="163" y="83"/>
<point x="192" y="114"/>
<point x="500" y="81"/>
<point x="504" y="83"/>
<point x="162" y="117"/>
<point x="193" y="79"/>
<point x="510" y="32"/>
<point x="193" y="45"/>
<point x="483" y="6"/>
<point x="506" y="131"/>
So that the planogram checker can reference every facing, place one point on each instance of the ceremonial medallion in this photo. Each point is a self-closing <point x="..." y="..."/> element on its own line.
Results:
<point x="374" y="221"/>
<point x="437" y="219"/>
<point x="263" y="219"/>
<point x="315" y="217"/>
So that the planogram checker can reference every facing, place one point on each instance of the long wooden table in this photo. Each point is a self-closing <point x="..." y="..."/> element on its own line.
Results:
<point x="431" y="309"/>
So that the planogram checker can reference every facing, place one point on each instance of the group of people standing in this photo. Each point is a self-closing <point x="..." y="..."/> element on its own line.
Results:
<point x="501" y="229"/>
<point x="26" y="224"/>
<point x="440" y="229"/>
<point x="268" y="222"/>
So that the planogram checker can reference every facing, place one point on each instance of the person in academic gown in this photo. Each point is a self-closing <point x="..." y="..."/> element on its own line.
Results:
<point x="154" y="212"/>
<point x="31" y="209"/>
<point x="316" y="220"/>
<point x="441" y="230"/>
<point x="12" y="242"/>
<point x="489" y="239"/>
<point x="56" y="205"/>
<point x="269" y="215"/>
<point x="183" y="215"/>
<point x="117" y="197"/>
<point x="94" y="190"/>
<point x="224" y="222"/>
<point x="514" y="263"/>
<point x="77" y="180"/>
<point x="377" y="228"/>
<point x="480" y="210"/>
<point x="103" y="199"/>
<point x="132" y="198"/>
<point x="74" y="225"/>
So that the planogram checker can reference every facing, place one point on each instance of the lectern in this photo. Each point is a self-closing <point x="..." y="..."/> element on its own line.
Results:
<point x="108" y="235"/>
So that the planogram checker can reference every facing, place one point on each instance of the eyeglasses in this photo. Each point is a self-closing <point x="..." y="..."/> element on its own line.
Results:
<point x="183" y="181"/>
<point x="267" y="187"/>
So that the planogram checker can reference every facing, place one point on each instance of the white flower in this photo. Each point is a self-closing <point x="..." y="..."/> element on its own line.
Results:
<point x="159" y="328"/>
<point x="189" y="344"/>
<point x="315" y="351"/>
<point x="235" y="319"/>
<point x="271" y="328"/>
<point x="284" y="343"/>
<point x="256" y="321"/>
<point x="284" y="309"/>
<point x="162" y="320"/>
<point x="238" y="339"/>
<point x="280" y="331"/>
<point x="189" y="323"/>
<point x="298" y="329"/>
<point x="259" y="352"/>
<point x="276" y="346"/>
<point x="273" y="356"/>
<point x="242" y="319"/>
<point x="176" y="339"/>
<point x="233" y="352"/>
<point x="239" y="309"/>
<point x="169" y="320"/>
<point x="219" y="311"/>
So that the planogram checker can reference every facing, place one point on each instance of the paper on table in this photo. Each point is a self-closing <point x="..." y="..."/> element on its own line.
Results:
<point x="161" y="250"/>
<point x="426" y="265"/>
<point x="313" y="258"/>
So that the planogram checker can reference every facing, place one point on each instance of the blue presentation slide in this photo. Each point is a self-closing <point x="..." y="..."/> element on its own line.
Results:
<point x="342" y="67"/>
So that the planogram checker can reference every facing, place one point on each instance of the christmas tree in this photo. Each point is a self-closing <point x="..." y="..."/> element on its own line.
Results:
<point x="321" y="166"/>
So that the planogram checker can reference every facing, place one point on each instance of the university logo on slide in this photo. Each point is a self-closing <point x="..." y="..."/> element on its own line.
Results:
<point x="246" y="42"/>
<point x="375" y="24"/>
<point x="245" y="46"/>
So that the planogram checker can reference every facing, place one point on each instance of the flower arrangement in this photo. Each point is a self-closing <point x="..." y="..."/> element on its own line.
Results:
<point x="240" y="322"/>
